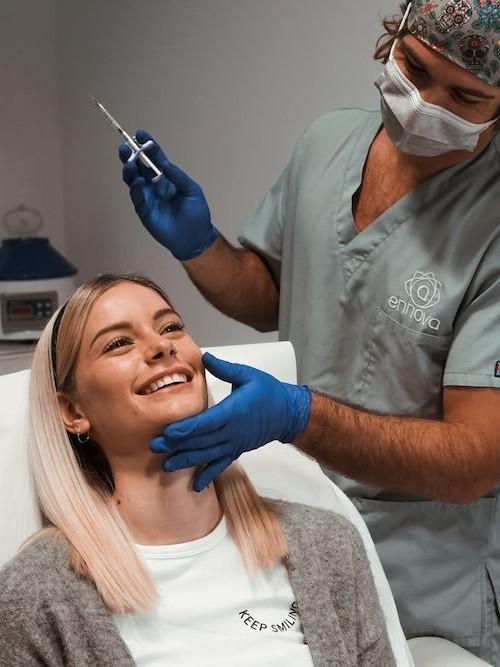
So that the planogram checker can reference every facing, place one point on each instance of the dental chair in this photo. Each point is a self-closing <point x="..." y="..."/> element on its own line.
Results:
<point x="277" y="470"/>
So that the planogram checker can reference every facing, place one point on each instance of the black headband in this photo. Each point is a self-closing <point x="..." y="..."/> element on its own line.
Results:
<point x="53" y="341"/>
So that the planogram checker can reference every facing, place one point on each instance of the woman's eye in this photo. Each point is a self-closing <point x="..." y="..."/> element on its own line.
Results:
<point x="172" y="326"/>
<point x="117" y="342"/>
<point x="121" y="341"/>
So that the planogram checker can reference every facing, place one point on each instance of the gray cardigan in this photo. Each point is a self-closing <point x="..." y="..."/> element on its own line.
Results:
<point x="51" y="617"/>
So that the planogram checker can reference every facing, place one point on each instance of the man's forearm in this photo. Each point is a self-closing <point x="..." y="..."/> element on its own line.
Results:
<point x="426" y="458"/>
<point x="238" y="283"/>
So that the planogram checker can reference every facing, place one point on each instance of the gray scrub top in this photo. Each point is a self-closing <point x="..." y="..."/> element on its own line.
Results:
<point x="384" y="318"/>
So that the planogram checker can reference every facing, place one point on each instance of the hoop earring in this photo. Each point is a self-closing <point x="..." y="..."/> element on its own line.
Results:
<point x="84" y="439"/>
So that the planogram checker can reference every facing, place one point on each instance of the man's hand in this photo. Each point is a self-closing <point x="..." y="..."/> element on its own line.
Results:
<point x="260" y="409"/>
<point x="174" y="209"/>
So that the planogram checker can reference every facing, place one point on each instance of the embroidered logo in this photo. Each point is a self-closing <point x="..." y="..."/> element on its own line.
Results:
<point x="424" y="292"/>
<point x="497" y="369"/>
<point x="423" y="289"/>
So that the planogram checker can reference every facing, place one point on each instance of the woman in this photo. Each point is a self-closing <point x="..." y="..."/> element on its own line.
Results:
<point x="134" y="567"/>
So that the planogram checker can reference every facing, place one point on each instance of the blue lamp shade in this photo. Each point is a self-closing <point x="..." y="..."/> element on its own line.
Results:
<point x="32" y="259"/>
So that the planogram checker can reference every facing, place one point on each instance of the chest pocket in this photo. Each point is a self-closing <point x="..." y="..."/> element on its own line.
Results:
<point x="402" y="370"/>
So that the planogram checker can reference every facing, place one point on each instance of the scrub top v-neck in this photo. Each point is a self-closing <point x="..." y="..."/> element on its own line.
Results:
<point x="383" y="319"/>
<point x="356" y="246"/>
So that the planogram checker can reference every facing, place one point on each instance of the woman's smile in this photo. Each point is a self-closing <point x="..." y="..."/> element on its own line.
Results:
<point x="169" y="388"/>
<point x="166" y="377"/>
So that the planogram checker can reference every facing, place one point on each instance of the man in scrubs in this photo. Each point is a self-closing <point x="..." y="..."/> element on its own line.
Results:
<point x="377" y="253"/>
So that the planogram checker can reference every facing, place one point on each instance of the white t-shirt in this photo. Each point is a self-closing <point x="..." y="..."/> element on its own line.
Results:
<point x="213" y="612"/>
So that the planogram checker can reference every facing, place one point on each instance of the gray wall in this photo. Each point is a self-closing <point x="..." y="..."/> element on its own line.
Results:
<point x="30" y="119"/>
<point x="227" y="86"/>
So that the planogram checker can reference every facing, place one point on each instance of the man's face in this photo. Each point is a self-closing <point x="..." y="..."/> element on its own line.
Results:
<point x="445" y="84"/>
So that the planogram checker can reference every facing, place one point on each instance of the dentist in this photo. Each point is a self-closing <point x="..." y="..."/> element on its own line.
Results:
<point x="377" y="253"/>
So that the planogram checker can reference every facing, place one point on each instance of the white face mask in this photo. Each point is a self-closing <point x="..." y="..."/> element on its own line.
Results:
<point x="416" y="126"/>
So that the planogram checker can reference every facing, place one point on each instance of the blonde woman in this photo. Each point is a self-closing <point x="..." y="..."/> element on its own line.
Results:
<point x="134" y="567"/>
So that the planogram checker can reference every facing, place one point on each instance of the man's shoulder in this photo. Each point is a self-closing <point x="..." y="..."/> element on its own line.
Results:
<point x="332" y="135"/>
<point x="341" y="123"/>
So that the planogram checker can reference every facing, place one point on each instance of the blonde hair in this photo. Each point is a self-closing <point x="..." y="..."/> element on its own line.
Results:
<point x="74" y="482"/>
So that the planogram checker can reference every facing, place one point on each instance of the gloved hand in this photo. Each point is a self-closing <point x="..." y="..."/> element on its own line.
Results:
<point x="259" y="409"/>
<point x="174" y="209"/>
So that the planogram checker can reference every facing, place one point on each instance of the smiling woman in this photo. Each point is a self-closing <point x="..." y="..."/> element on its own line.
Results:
<point x="116" y="341"/>
<point x="133" y="566"/>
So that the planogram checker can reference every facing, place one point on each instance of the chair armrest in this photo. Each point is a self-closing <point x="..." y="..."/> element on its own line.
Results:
<point x="437" y="652"/>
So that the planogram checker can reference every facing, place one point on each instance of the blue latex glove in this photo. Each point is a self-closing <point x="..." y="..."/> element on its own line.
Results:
<point x="259" y="409"/>
<point x="174" y="209"/>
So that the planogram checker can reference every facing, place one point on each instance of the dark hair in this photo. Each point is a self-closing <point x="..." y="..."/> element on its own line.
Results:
<point x="386" y="40"/>
<point x="53" y="339"/>
<point x="391" y="27"/>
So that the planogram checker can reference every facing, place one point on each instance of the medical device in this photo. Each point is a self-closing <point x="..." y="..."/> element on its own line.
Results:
<point x="35" y="279"/>
<point x="137" y="150"/>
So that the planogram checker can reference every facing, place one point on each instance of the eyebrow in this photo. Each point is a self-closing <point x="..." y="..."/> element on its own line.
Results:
<point x="127" y="325"/>
<point x="408" y="51"/>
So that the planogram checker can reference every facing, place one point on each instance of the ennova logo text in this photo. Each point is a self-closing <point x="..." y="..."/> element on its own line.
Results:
<point x="424" y="292"/>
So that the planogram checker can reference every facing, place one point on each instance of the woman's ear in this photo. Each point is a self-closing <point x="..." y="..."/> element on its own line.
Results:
<point x="74" y="419"/>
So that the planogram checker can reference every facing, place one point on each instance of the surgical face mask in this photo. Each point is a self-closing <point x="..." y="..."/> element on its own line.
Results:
<point x="416" y="126"/>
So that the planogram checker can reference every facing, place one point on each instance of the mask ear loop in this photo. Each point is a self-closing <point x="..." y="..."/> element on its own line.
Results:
<point x="400" y="29"/>
<point x="405" y="17"/>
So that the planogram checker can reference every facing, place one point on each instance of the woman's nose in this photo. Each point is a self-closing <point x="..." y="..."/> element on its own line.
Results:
<point x="161" y="347"/>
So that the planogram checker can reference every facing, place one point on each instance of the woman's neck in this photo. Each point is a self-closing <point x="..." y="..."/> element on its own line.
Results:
<point x="162" y="508"/>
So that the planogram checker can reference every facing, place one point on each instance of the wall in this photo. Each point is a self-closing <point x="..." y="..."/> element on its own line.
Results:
<point x="30" y="127"/>
<point x="226" y="85"/>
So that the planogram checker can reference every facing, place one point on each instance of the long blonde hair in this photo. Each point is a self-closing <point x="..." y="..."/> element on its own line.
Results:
<point x="74" y="482"/>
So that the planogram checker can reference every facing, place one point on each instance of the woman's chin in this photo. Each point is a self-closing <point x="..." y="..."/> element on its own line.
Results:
<point x="133" y="437"/>
<point x="164" y="416"/>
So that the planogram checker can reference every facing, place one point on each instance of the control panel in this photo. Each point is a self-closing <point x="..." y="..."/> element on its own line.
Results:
<point x="28" y="311"/>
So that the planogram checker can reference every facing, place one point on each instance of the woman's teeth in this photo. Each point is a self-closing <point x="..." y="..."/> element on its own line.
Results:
<point x="175" y="378"/>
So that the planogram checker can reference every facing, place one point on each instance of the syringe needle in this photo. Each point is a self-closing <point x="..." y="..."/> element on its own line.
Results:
<point x="130" y="140"/>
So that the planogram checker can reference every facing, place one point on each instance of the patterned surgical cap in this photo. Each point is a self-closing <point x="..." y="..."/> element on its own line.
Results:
<point x="464" y="31"/>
